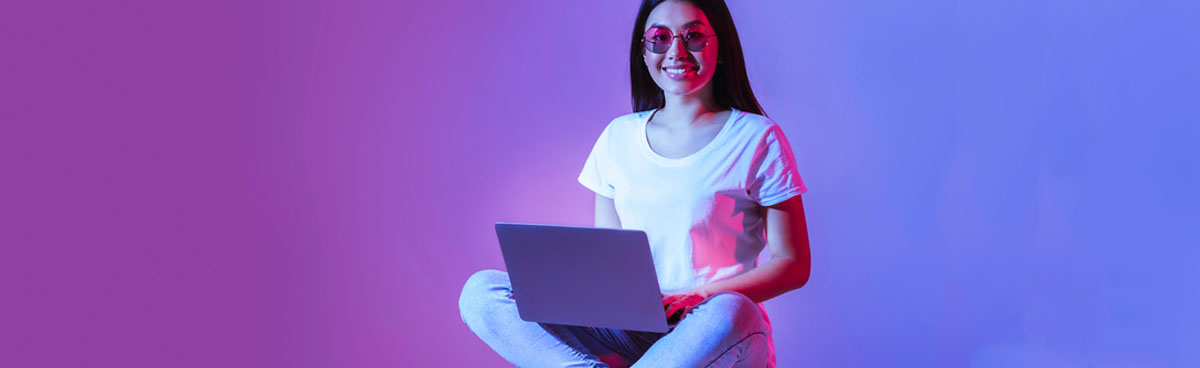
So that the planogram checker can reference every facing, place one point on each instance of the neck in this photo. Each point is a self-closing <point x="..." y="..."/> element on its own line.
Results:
<point x="686" y="110"/>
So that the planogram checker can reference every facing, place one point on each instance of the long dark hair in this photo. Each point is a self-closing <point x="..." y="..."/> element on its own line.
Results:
<point x="731" y="87"/>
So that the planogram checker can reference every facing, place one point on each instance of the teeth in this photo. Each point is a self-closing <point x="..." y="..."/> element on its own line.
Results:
<point x="678" y="70"/>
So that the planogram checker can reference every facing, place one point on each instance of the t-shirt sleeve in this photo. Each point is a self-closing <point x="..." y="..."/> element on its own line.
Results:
<point x="595" y="175"/>
<point x="776" y="177"/>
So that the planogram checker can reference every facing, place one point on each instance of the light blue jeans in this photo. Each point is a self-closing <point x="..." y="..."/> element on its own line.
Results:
<point x="726" y="330"/>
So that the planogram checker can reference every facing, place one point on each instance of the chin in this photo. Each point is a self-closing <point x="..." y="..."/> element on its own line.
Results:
<point x="681" y="89"/>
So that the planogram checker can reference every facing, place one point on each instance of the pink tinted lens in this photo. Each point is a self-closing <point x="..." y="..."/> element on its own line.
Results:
<point x="657" y="39"/>
<point x="695" y="38"/>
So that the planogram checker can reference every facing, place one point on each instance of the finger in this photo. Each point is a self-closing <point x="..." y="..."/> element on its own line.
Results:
<point x="682" y="315"/>
<point x="673" y="308"/>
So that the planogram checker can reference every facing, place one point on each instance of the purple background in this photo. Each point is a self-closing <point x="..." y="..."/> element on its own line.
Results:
<point x="308" y="184"/>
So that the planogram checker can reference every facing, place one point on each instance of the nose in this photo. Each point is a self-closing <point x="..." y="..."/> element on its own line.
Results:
<point x="677" y="50"/>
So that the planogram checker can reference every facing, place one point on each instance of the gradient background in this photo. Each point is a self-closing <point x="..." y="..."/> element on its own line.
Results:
<point x="309" y="183"/>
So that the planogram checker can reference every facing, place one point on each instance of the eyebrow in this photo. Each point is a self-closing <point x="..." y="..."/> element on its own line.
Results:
<point x="683" y="26"/>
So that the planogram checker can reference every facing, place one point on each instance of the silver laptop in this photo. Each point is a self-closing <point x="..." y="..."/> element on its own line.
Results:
<point x="583" y="276"/>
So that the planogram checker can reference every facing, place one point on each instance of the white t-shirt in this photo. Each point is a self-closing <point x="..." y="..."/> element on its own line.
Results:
<point x="702" y="213"/>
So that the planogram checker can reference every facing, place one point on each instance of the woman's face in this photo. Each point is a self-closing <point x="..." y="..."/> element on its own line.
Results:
<point x="680" y="71"/>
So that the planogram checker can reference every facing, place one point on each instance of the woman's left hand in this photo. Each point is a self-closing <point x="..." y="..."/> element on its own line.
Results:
<point x="682" y="301"/>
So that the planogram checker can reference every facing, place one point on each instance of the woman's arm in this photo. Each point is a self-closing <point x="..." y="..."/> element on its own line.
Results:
<point x="790" y="264"/>
<point x="606" y="213"/>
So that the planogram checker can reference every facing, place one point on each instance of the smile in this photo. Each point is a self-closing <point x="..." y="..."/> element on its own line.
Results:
<point x="680" y="70"/>
<point x="681" y="73"/>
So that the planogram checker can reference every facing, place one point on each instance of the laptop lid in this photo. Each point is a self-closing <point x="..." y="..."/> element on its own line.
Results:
<point x="582" y="276"/>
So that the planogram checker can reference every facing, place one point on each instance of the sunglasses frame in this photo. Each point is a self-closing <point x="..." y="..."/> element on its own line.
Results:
<point x="649" y="45"/>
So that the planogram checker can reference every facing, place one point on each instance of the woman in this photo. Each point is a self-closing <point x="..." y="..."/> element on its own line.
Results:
<point x="708" y="178"/>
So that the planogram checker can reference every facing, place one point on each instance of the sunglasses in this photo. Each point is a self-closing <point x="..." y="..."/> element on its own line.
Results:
<point x="659" y="39"/>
